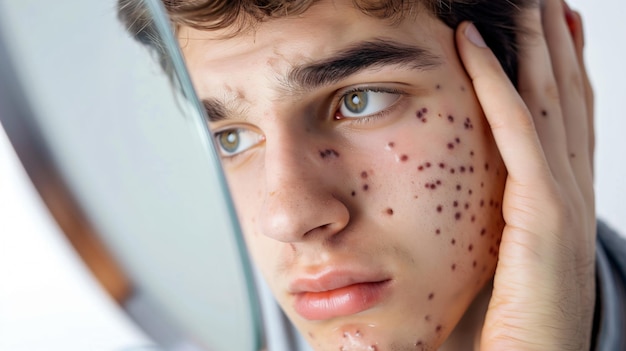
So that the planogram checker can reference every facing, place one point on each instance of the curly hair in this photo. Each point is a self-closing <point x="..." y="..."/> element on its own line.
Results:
<point x="495" y="19"/>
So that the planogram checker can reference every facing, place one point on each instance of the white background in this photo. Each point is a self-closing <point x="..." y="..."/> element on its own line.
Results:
<point x="48" y="301"/>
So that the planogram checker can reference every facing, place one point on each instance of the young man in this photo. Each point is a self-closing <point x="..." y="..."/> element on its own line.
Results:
<point x="394" y="188"/>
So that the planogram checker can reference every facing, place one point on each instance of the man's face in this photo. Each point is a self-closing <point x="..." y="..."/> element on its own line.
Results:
<point x="365" y="177"/>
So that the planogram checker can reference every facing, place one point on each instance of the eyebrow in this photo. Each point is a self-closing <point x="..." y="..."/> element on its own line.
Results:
<point x="364" y="55"/>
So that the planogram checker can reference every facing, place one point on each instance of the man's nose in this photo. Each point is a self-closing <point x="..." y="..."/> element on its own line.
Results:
<point x="302" y="199"/>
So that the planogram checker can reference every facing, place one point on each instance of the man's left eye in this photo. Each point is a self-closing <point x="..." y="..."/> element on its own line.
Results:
<point x="364" y="103"/>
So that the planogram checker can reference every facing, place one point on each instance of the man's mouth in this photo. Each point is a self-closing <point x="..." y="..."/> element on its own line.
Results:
<point x="336" y="294"/>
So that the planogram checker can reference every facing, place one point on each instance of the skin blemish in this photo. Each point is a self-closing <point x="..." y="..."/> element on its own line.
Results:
<point x="431" y="296"/>
<point x="470" y="192"/>
<point x="329" y="153"/>
<point x="353" y="193"/>
<point x="438" y="328"/>
<point x="544" y="113"/>
<point x="427" y="318"/>
<point x="428" y="165"/>
<point x="483" y="232"/>
<point x="467" y="205"/>
<point x="364" y="175"/>
<point x="462" y="87"/>
<point x="457" y="140"/>
<point x="458" y="187"/>
<point x="471" y="169"/>
<point x="450" y="146"/>
<point x="473" y="219"/>
<point x="439" y="208"/>
<point x="389" y="211"/>
<point x="468" y="124"/>
<point x="474" y="264"/>
<point x="452" y="170"/>
<point x="438" y="182"/>
<point x="365" y="187"/>
<point x="486" y="166"/>
<point x="438" y="231"/>
<point x="472" y="153"/>
<point x="420" y="168"/>
<point x="311" y="335"/>
<point x="372" y="348"/>
<point x="470" y="248"/>
<point x="462" y="169"/>
<point x="438" y="87"/>
<point x="404" y="158"/>
<point x="482" y="185"/>
<point x="455" y="204"/>
<point x="572" y="155"/>
<point x="451" y="118"/>
<point x="453" y="267"/>
<point x="390" y="145"/>
<point x="453" y="241"/>
<point x="457" y="216"/>
<point x="442" y="165"/>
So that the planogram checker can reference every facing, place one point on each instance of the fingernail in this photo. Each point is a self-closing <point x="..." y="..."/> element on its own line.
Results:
<point x="474" y="36"/>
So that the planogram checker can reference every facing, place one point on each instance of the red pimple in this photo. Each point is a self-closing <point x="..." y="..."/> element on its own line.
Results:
<point x="364" y="175"/>
<point x="544" y="113"/>
<point x="438" y="329"/>
<point x="483" y="232"/>
<point x="472" y="153"/>
<point x="455" y="204"/>
<point x="431" y="296"/>
<point x="473" y="219"/>
<point x="390" y="211"/>
<point x="462" y="169"/>
<point x="486" y="166"/>
<point x="458" y="187"/>
<point x="474" y="264"/>
<point x="458" y="141"/>
<point x="439" y="208"/>
<point x="365" y="187"/>
<point x="427" y="318"/>
<point x="450" y="118"/>
<point x="438" y="231"/>
<point x="453" y="241"/>
<point x="442" y="165"/>
<point x="470" y="192"/>
<point x="424" y="110"/>
<point x="353" y="193"/>
<point x="452" y="170"/>
<point x="404" y="158"/>
<point x="450" y="146"/>
<point x="453" y="267"/>
<point x="471" y="169"/>
<point x="438" y="182"/>
<point x="457" y="216"/>
<point x="467" y="205"/>
<point x="438" y="87"/>
<point x="420" y="168"/>
<point x="391" y="144"/>
<point x="428" y="165"/>
<point x="470" y="248"/>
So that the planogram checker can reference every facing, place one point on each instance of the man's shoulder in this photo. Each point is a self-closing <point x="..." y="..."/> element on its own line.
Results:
<point x="611" y="271"/>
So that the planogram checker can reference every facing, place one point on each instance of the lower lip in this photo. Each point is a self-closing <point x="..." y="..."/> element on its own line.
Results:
<point x="340" y="302"/>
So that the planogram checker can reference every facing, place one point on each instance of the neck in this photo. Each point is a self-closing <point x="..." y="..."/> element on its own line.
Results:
<point x="466" y="335"/>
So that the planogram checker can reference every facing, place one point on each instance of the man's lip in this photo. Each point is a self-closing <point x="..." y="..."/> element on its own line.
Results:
<point x="333" y="279"/>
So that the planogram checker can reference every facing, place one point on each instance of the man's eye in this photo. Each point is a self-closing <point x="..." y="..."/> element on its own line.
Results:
<point x="234" y="141"/>
<point x="363" y="103"/>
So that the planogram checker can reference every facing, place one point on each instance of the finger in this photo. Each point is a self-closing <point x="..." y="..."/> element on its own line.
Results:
<point x="510" y="121"/>
<point x="570" y="83"/>
<point x="578" y="36"/>
<point x="538" y="88"/>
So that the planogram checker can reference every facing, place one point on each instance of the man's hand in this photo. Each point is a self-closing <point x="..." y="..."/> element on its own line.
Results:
<point x="544" y="286"/>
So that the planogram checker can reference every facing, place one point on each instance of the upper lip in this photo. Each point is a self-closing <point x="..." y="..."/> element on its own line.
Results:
<point x="334" y="278"/>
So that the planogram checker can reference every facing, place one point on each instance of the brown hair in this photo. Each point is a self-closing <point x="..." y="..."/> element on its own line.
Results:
<point x="495" y="19"/>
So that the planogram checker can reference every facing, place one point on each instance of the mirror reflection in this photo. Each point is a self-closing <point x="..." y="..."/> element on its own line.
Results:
<point x="118" y="148"/>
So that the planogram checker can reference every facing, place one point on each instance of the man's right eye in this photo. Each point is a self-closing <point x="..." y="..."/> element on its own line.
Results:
<point x="237" y="140"/>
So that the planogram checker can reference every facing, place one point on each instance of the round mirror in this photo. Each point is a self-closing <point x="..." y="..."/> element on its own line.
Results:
<point x="119" y="150"/>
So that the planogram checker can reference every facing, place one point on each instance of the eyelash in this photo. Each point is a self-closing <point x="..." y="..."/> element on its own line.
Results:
<point x="366" y="119"/>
